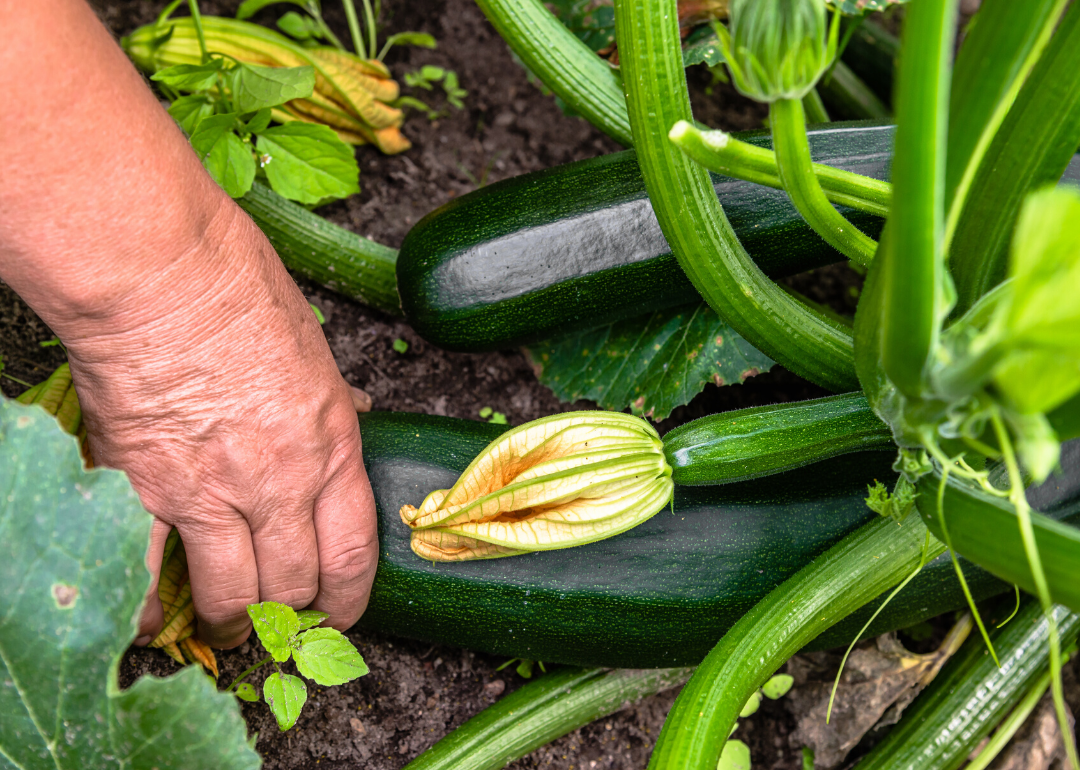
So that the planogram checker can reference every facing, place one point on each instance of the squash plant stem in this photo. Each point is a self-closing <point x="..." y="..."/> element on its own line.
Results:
<point x="248" y="672"/>
<point x="788" y="121"/>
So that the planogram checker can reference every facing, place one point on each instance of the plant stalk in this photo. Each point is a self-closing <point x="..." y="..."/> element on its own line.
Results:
<point x="722" y="153"/>
<point x="248" y="672"/>
<point x="866" y="563"/>
<point x="196" y="19"/>
<point x="788" y="123"/>
<point x="354" y="27"/>
<point x="692" y="220"/>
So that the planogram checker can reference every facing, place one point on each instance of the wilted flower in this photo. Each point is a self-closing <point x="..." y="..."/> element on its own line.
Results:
<point x="778" y="49"/>
<point x="561" y="481"/>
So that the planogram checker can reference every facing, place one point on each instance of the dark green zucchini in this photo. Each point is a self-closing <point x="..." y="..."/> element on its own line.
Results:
<point x="748" y="443"/>
<point x="660" y="595"/>
<point x="578" y="245"/>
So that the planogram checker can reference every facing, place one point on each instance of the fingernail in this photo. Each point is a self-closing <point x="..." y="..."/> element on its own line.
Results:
<point x="142" y="641"/>
<point x="360" y="399"/>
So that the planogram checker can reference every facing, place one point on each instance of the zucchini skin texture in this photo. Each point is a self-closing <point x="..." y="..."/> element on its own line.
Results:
<point x="658" y="596"/>
<point x="749" y="443"/>
<point x="578" y="246"/>
<point x="971" y="695"/>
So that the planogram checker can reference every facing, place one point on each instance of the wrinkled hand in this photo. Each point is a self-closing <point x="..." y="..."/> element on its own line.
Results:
<point x="221" y="400"/>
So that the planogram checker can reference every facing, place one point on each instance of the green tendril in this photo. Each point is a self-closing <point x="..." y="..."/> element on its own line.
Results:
<point x="1016" y="609"/>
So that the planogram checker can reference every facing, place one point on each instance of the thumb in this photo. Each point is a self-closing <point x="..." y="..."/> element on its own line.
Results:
<point x="152" y="615"/>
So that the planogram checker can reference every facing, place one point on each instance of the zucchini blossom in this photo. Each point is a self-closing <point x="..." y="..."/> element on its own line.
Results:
<point x="778" y="49"/>
<point x="556" y="482"/>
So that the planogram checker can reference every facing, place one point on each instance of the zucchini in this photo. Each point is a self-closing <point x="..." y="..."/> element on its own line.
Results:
<point x="657" y="596"/>
<point x="748" y="443"/>
<point x="324" y="252"/>
<point x="578" y="246"/>
<point x="972" y="694"/>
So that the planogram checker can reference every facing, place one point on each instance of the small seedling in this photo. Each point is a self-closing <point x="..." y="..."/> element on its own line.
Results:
<point x="401" y="346"/>
<point x="429" y="74"/>
<point x="495" y="418"/>
<point x="321" y="654"/>
<point x="524" y="667"/>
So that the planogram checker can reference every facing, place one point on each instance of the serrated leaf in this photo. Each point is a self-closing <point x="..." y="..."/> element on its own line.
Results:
<point x="285" y="694"/>
<point x="72" y="545"/>
<point x="651" y="363"/>
<point x="246" y="691"/>
<point x="249" y="8"/>
<point x="702" y="47"/>
<point x="326" y="656"/>
<point x="308" y="163"/>
<point x="189" y="111"/>
<point x="862" y="7"/>
<point x="275" y="624"/>
<point x="224" y="154"/>
<point x="254" y="87"/>
<point x="259" y="121"/>
<point x="310" y="618"/>
<point x="190" y="77"/>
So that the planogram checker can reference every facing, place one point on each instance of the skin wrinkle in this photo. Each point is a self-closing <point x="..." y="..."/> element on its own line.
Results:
<point x="201" y="370"/>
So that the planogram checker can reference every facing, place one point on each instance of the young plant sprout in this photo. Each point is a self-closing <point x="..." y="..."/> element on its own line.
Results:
<point x="323" y="655"/>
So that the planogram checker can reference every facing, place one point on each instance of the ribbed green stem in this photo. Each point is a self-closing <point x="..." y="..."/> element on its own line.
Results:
<point x="322" y="251"/>
<point x="788" y="123"/>
<point x="1032" y="148"/>
<point x="996" y="58"/>
<point x="563" y="63"/>
<point x="972" y="694"/>
<point x="691" y="217"/>
<point x="866" y="563"/>
<point x="196" y="19"/>
<point x="541" y="711"/>
<point x="912" y="264"/>
<point x="721" y="153"/>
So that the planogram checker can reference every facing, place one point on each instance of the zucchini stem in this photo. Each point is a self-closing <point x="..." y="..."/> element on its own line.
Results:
<point x="354" y="27"/>
<point x="797" y="174"/>
<point x="1018" y="498"/>
<point x="722" y="153"/>
<point x="196" y="19"/>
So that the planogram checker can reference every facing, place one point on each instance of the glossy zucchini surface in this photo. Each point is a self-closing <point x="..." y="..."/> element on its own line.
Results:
<point x="578" y="245"/>
<point x="660" y="595"/>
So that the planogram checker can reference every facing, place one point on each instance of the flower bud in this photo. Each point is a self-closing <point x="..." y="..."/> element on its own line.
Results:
<point x="561" y="481"/>
<point x="778" y="49"/>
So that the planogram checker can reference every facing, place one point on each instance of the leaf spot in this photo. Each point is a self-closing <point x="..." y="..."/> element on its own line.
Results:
<point x="64" y="595"/>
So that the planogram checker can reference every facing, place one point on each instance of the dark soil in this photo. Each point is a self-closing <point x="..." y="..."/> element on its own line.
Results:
<point x="417" y="692"/>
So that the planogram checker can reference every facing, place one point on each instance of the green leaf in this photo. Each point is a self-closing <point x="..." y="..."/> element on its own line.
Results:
<point x="310" y="618"/>
<point x="247" y="692"/>
<point x="778" y="686"/>
<point x="276" y="624"/>
<point x="308" y="163"/>
<point x="735" y="756"/>
<point x="1042" y="318"/>
<point x="258" y="122"/>
<point x="651" y="363"/>
<point x="254" y="87"/>
<point x="224" y="154"/>
<point x="190" y="111"/>
<point x="285" y="694"/>
<point x="753" y="703"/>
<point x="249" y="8"/>
<point x="326" y="656"/>
<point x="863" y="7"/>
<point x="702" y="47"/>
<point x="299" y="27"/>
<point x="72" y="545"/>
<point x="190" y="77"/>
<point x="420" y="39"/>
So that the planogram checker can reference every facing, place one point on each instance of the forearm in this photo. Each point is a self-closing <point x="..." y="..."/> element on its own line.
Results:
<point x="107" y="218"/>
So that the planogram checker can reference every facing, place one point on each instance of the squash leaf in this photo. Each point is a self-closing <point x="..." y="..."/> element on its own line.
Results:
<point x="72" y="545"/>
<point x="650" y="363"/>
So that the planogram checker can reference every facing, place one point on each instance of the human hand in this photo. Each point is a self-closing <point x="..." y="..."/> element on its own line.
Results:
<point x="215" y="390"/>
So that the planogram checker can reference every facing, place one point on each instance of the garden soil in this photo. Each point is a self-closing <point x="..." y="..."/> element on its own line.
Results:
<point x="417" y="692"/>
